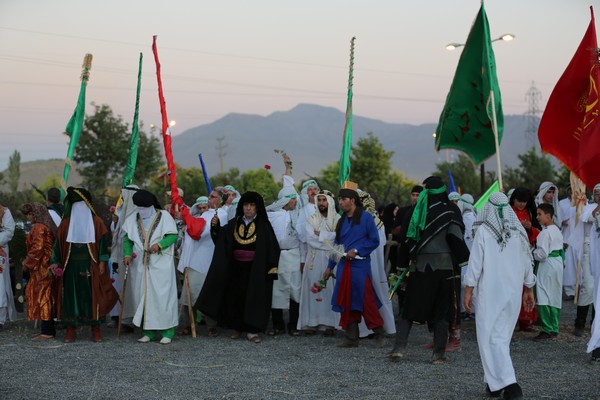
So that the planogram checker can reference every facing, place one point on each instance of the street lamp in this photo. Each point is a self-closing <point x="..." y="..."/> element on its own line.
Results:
<point x="507" y="37"/>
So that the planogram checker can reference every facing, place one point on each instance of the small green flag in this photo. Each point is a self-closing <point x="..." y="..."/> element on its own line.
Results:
<point x="344" y="172"/>
<point x="466" y="122"/>
<point x="135" y="136"/>
<point x="484" y="197"/>
<point x="75" y="124"/>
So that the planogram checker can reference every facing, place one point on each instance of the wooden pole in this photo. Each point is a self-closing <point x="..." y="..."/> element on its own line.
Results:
<point x="186" y="280"/>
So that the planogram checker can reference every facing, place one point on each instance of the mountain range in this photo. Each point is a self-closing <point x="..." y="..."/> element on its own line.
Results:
<point x="312" y="136"/>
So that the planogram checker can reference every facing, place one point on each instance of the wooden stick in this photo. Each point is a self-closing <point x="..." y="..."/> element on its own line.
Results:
<point x="189" y="299"/>
<point x="122" y="301"/>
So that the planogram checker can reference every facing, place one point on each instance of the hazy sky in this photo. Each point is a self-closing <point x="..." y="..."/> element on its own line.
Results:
<point x="261" y="56"/>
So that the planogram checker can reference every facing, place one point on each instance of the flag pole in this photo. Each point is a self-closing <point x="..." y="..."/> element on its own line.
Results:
<point x="75" y="124"/>
<point x="495" y="130"/>
<point x="344" y="172"/>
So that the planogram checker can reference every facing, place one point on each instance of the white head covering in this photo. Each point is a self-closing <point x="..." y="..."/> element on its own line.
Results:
<point x="502" y="222"/>
<point x="232" y="209"/>
<point x="465" y="203"/>
<point x="316" y="219"/>
<point x="453" y="196"/>
<point x="124" y="210"/>
<point x="81" y="224"/>
<point x="194" y="209"/>
<point x="539" y="199"/>
<point x="303" y="199"/>
<point x="286" y="194"/>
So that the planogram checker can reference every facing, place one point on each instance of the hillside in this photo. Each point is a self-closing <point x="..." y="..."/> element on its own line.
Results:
<point x="36" y="172"/>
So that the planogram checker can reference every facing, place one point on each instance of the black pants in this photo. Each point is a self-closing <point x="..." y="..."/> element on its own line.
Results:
<point x="582" y="312"/>
<point x="47" y="327"/>
<point x="277" y="316"/>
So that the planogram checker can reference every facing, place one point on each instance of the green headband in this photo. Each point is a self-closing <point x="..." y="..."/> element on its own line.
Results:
<point x="417" y="221"/>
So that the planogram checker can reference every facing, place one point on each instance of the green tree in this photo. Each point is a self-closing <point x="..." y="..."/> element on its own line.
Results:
<point x="104" y="147"/>
<point x="533" y="169"/>
<point x="261" y="181"/>
<point x="371" y="168"/>
<point x="465" y="174"/>
<point x="14" y="172"/>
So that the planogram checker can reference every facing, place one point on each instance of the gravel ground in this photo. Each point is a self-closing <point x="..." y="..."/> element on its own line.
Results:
<point x="283" y="367"/>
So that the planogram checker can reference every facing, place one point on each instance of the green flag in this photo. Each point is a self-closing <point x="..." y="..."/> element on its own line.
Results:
<point x="344" y="173"/>
<point x="466" y="122"/>
<point x="484" y="197"/>
<point x="135" y="136"/>
<point x="75" y="124"/>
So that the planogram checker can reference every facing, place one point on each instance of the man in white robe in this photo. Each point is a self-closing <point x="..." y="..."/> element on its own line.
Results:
<point x="594" y="342"/>
<point x="567" y="211"/>
<point x="124" y="209"/>
<point x="196" y="255"/>
<point x="380" y="282"/>
<point x="315" y="301"/>
<point x="150" y="234"/>
<point x="579" y="241"/>
<point x="7" y="302"/>
<point x="307" y="206"/>
<point x="465" y="204"/>
<point x="499" y="271"/>
<point x="283" y="216"/>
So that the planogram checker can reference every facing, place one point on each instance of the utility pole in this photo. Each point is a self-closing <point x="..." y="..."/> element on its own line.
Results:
<point x="221" y="148"/>
<point x="533" y="98"/>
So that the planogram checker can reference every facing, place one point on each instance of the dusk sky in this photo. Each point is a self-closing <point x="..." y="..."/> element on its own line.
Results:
<point x="261" y="56"/>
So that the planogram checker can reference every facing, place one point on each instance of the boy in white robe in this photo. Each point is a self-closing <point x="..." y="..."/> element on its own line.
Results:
<point x="150" y="234"/>
<point x="549" y="252"/>
<point x="499" y="271"/>
<point x="196" y="255"/>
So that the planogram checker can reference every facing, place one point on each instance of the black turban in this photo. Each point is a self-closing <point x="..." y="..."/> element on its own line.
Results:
<point x="143" y="198"/>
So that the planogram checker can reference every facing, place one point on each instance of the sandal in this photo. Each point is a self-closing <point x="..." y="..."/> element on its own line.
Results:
<point x="274" y="332"/>
<point x="254" y="338"/>
<point x="236" y="335"/>
<point x="42" y="338"/>
<point x="213" y="332"/>
<point x="294" y="332"/>
<point x="329" y="332"/>
<point x="310" y="332"/>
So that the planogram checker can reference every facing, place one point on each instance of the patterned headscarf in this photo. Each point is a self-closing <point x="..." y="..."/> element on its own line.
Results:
<point x="40" y="215"/>
<point x="502" y="222"/>
<point x="370" y="207"/>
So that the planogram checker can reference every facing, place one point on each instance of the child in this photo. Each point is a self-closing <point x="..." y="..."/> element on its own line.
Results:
<point x="549" y="253"/>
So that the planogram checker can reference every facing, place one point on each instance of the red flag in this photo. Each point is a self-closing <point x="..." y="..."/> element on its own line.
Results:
<point x="166" y="133"/>
<point x="570" y="129"/>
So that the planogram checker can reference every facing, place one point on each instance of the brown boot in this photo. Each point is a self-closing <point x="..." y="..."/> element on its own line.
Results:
<point x="71" y="334"/>
<point x="96" y="335"/>
<point x="351" y="339"/>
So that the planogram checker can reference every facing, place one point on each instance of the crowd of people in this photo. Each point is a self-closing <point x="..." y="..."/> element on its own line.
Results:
<point x="319" y="259"/>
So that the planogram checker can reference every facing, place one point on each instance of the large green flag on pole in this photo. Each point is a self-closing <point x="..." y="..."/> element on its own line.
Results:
<point x="344" y="173"/>
<point x="135" y="135"/>
<point x="75" y="124"/>
<point x="467" y="121"/>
